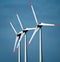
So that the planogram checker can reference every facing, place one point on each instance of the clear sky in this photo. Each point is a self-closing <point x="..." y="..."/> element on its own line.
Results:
<point x="47" y="11"/>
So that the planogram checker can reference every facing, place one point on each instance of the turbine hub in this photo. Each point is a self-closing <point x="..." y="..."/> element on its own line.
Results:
<point x="19" y="34"/>
<point x="25" y="31"/>
<point x="39" y="26"/>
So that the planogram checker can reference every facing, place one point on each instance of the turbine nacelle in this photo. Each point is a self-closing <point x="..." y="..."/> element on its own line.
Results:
<point x="28" y="29"/>
<point x="39" y="25"/>
<point x="24" y="30"/>
<point x="19" y="35"/>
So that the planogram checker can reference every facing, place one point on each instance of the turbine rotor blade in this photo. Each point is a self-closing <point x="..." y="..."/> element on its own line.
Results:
<point x="33" y="12"/>
<point x="46" y="24"/>
<point x="30" y="28"/>
<point x="15" y="43"/>
<point x="20" y="39"/>
<point x="19" y="20"/>
<point x="32" y="36"/>
<point x="13" y="28"/>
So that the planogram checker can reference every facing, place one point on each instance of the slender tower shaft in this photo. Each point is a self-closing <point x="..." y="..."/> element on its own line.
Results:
<point x="40" y="45"/>
<point x="19" y="60"/>
<point x="25" y="50"/>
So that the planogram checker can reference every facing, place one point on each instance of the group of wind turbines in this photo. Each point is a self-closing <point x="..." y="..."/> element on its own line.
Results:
<point x="24" y="31"/>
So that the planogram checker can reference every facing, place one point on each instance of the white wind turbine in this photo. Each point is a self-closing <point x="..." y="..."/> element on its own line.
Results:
<point x="19" y="37"/>
<point x="38" y="27"/>
<point x="24" y="32"/>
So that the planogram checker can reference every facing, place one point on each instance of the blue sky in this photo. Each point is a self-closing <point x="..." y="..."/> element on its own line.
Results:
<point x="47" y="11"/>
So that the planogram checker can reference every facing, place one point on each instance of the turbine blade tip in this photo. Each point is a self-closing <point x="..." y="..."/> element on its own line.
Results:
<point x="16" y="13"/>
<point x="9" y="22"/>
<point x="28" y="45"/>
<point x="16" y="49"/>
<point x="30" y="3"/>
<point x="13" y="51"/>
<point x="55" y="24"/>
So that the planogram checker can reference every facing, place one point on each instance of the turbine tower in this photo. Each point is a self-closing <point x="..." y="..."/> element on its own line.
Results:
<point x="38" y="27"/>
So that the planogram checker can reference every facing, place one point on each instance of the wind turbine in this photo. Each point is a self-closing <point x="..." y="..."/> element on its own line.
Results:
<point x="18" y="36"/>
<point x="38" y="27"/>
<point x="24" y="32"/>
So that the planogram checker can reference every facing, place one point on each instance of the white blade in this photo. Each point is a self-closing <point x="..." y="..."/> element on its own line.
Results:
<point x="20" y="39"/>
<point x="15" y="43"/>
<point x="33" y="12"/>
<point x="13" y="28"/>
<point x="30" y="28"/>
<point x="46" y="24"/>
<point x="32" y="36"/>
<point x="19" y="21"/>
